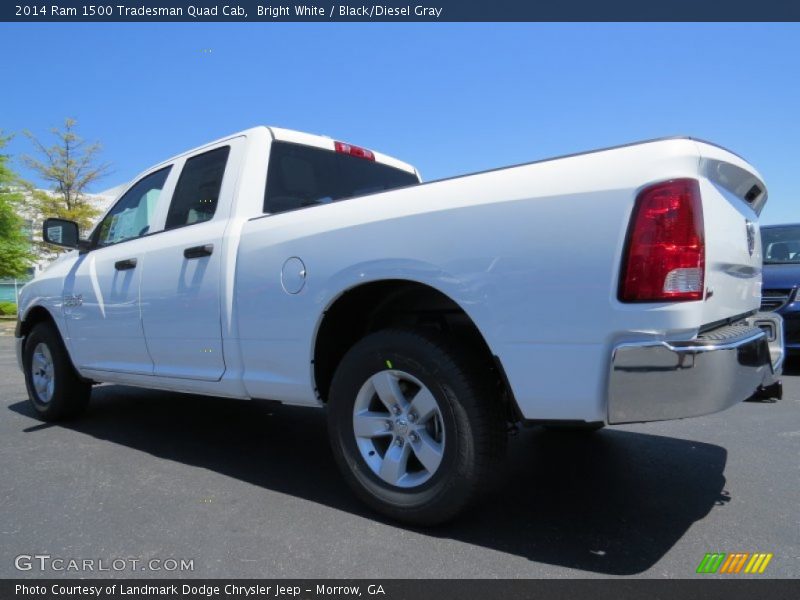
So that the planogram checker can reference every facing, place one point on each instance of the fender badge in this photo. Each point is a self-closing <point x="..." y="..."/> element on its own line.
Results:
<point x="73" y="300"/>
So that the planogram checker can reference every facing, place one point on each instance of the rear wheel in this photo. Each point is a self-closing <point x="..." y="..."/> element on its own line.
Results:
<point x="55" y="389"/>
<point x="415" y="424"/>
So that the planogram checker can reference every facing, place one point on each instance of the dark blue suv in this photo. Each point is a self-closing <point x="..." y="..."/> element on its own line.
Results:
<point x="781" y="289"/>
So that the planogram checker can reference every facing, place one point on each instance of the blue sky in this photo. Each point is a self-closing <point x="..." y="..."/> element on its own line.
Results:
<point x="449" y="98"/>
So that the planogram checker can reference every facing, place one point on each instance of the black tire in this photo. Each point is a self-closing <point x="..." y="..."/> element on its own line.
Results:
<point x="70" y="393"/>
<point x="471" y="413"/>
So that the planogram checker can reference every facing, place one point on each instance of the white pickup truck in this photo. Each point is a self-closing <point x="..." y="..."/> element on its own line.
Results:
<point x="613" y="286"/>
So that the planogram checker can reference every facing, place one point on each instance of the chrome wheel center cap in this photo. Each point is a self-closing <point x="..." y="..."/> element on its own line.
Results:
<point x="401" y="427"/>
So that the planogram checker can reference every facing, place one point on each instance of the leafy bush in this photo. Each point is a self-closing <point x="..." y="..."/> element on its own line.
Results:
<point x="8" y="308"/>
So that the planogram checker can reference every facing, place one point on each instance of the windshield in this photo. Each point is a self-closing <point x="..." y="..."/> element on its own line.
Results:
<point x="781" y="245"/>
<point x="301" y="176"/>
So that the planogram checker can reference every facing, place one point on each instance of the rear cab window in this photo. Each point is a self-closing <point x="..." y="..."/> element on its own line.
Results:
<point x="302" y="176"/>
<point x="781" y="245"/>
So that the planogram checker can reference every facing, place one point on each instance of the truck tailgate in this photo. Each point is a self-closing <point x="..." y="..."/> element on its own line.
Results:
<point x="733" y="196"/>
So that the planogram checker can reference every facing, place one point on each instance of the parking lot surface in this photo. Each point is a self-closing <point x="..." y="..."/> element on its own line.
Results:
<point x="246" y="489"/>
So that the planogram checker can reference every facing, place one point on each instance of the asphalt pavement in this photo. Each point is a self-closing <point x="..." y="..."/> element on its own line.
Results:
<point x="248" y="489"/>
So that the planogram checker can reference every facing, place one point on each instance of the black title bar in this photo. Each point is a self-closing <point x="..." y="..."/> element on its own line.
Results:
<point x="397" y="589"/>
<point x="391" y="11"/>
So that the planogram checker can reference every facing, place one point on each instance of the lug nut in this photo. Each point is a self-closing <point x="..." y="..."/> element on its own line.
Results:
<point x="398" y="442"/>
<point x="413" y="437"/>
<point x="412" y="417"/>
<point x="388" y="425"/>
<point x="397" y="410"/>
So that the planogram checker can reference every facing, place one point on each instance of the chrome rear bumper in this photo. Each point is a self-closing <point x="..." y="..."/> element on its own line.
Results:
<point x="654" y="381"/>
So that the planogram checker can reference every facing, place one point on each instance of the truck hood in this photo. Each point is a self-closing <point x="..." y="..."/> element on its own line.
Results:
<point x="781" y="276"/>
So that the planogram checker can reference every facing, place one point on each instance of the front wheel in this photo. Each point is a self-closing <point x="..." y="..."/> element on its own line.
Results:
<point x="55" y="389"/>
<point x="416" y="424"/>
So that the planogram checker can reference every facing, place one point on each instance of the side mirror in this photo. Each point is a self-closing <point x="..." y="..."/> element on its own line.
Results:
<point x="61" y="232"/>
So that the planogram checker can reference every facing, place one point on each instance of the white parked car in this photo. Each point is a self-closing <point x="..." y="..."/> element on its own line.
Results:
<point x="614" y="286"/>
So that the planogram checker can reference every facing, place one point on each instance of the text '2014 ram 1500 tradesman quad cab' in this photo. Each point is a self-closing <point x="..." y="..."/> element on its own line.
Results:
<point x="614" y="286"/>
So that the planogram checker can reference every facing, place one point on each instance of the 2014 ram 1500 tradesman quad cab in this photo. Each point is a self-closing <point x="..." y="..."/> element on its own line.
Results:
<point x="614" y="286"/>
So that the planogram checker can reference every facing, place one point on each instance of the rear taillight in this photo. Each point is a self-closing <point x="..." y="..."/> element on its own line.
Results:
<point x="354" y="151"/>
<point x="664" y="258"/>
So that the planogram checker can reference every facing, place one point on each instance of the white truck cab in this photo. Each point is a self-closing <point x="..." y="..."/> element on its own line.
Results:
<point x="614" y="286"/>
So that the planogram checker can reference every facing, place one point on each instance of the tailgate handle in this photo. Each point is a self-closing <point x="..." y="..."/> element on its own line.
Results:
<point x="124" y="265"/>
<point x="199" y="251"/>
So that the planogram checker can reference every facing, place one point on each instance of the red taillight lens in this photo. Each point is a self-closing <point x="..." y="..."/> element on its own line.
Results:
<point x="665" y="254"/>
<point x="354" y="151"/>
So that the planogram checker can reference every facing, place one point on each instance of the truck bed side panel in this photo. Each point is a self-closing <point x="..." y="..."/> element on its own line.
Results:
<point x="531" y="254"/>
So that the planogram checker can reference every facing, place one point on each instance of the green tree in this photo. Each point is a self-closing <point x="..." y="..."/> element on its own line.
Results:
<point x="70" y="166"/>
<point x="15" y="245"/>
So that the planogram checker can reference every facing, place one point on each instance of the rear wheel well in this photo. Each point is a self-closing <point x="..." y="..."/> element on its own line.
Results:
<point x="397" y="303"/>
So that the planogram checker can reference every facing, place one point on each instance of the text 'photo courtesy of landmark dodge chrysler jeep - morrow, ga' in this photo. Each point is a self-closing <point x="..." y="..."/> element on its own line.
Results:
<point x="428" y="318"/>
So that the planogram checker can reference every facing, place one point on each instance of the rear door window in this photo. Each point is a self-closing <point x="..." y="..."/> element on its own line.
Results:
<point x="300" y="176"/>
<point x="197" y="192"/>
